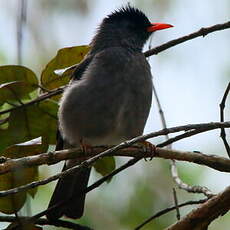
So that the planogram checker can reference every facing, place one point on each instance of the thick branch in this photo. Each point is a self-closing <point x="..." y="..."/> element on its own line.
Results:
<point x="8" y="165"/>
<point x="200" y="218"/>
<point x="215" y="162"/>
<point x="201" y="32"/>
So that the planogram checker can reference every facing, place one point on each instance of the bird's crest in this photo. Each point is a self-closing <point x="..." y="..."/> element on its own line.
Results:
<point x="127" y="12"/>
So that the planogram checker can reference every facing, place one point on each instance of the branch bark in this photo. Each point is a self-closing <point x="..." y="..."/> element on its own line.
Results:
<point x="201" y="32"/>
<point x="200" y="218"/>
<point x="218" y="163"/>
<point x="212" y="161"/>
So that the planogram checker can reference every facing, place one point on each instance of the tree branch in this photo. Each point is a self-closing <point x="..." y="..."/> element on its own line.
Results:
<point x="200" y="218"/>
<point x="201" y="32"/>
<point x="174" y="172"/>
<point x="219" y="163"/>
<point x="154" y="51"/>
<point x="222" y="106"/>
<point x="36" y="100"/>
<point x="189" y="188"/>
<point x="8" y="165"/>
<point x="44" y="221"/>
<point x="89" y="188"/>
<point x="162" y="212"/>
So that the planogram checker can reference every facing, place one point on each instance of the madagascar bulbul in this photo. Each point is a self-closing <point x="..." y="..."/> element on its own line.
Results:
<point x="107" y="101"/>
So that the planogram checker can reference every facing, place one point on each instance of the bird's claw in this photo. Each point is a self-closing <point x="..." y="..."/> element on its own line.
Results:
<point x="86" y="148"/>
<point x="148" y="148"/>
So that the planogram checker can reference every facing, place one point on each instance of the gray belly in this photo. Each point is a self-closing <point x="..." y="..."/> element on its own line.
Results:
<point x="105" y="112"/>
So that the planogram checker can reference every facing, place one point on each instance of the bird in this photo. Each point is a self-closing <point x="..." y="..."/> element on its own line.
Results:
<point x="107" y="101"/>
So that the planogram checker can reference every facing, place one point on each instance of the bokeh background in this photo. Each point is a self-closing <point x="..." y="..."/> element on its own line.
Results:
<point x="190" y="79"/>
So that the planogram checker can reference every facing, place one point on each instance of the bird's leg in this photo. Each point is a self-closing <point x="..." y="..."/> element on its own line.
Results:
<point x="85" y="147"/>
<point x="148" y="147"/>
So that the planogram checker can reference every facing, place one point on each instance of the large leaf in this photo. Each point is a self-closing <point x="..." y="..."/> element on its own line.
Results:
<point x="12" y="203"/>
<point x="16" y="82"/>
<point x="65" y="57"/>
<point x="105" y="165"/>
<point x="38" y="120"/>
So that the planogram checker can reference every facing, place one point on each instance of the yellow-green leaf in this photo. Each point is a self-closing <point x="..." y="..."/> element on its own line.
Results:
<point x="24" y="124"/>
<point x="65" y="57"/>
<point x="13" y="203"/>
<point x="105" y="165"/>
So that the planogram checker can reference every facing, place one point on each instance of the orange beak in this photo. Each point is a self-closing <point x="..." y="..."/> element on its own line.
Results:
<point x="158" y="26"/>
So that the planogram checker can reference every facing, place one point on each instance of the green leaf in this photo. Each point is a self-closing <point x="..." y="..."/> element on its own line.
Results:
<point x="105" y="165"/>
<point x="13" y="203"/>
<point x="24" y="124"/>
<point x="65" y="57"/>
<point x="16" y="82"/>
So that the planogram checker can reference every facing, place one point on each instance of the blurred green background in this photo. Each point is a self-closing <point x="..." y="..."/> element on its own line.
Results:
<point x="190" y="79"/>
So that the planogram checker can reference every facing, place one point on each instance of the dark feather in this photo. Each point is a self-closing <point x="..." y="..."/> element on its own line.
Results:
<point x="71" y="187"/>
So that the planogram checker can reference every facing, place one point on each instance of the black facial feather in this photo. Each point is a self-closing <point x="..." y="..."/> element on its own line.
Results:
<point x="126" y="27"/>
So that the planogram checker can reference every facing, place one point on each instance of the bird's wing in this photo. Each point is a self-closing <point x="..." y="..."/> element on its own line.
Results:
<point x="77" y="74"/>
<point x="81" y="67"/>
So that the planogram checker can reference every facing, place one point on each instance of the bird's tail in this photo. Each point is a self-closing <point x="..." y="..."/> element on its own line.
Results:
<point x="71" y="190"/>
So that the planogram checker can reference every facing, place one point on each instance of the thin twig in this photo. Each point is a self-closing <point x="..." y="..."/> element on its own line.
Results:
<point x="189" y="188"/>
<point x="161" y="112"/>
<point x="21" y="20"/>
<point x="43" y="221"/>
<point x="174" y="172"/>
<point x="222" y="106"/>
<point x="89" y="188"/>
<point x="182" y="136"/>
<point x="201" y="32"/>
<point x="162" y="212"/>
<point x="176" y="204"/>
<point x="36" y="100"/>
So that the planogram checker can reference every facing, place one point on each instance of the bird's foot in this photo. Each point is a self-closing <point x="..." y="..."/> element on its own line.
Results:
<point x="85" y="147"/>
<point x="148" y="148"/>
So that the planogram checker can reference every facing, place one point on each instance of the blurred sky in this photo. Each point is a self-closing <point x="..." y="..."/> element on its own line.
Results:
<point x="190" y="78"/>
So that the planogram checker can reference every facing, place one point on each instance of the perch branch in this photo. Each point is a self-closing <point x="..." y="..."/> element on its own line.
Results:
<point x="8" y="165"/>
<point x="219" y="163"/>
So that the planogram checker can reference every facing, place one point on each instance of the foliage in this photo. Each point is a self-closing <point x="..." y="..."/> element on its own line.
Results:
<point x="31" y="129"/>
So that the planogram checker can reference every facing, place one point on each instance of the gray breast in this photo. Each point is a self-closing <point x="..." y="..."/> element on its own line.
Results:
<point x="111" y="103"/>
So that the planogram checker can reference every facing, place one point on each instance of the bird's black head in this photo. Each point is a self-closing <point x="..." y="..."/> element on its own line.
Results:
<point x="128" y="27"/>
